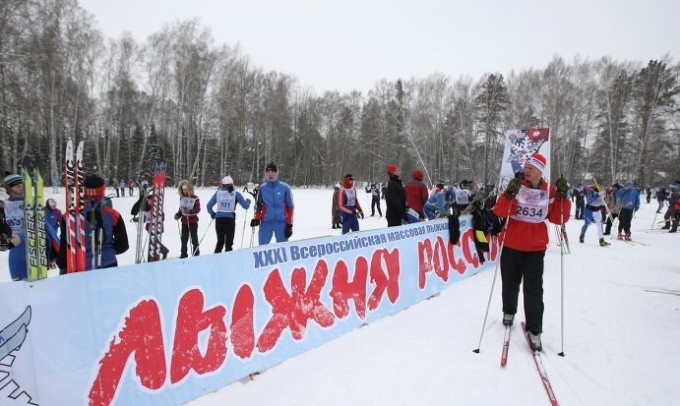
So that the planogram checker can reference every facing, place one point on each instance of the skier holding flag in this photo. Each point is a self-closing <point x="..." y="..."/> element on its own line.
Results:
<point x="527" y="203"/>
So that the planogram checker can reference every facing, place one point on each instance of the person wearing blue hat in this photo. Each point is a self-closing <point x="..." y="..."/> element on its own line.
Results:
<point x="629" y="199"/>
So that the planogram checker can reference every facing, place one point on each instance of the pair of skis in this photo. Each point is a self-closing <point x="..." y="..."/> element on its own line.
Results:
<point x="34" y="224"/>
<point x="537" y="361"/>
<point x="75" y="202"/>
<point x="156" y="213"/>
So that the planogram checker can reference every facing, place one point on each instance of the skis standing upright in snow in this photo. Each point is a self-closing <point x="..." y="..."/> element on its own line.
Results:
<point x="140" y="215"/>
<point x="156" y="220"/>
<point x="36" y="239"/>
<point x="75" y="220"/>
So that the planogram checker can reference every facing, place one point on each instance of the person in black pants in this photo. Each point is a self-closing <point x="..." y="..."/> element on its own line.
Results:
<point x="189" y="207"/>
<point x="226" y="199"/>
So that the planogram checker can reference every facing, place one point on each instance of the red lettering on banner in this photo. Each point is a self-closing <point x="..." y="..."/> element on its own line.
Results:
<point x="191" y="320"/>
<point x="467" y="240"/>
<point x="441" y="260"/>
<point x="425" y="254"/>
<point x="457" y="264"/>
<point x="384" y="282"/>
<point x="243" y="323"/>
<point x="294" y="310"/>
<point x="142" y="335"/>
<point x="344" y="290"/>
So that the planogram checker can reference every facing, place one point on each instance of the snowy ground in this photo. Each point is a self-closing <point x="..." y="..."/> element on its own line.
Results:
<point x="621" y="325"/>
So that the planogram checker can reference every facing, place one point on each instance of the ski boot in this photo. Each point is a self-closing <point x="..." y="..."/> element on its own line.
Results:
<point x="535" y="340"/>
<point x="620" y="236"/>
<point x="508" y="319"/>
<point x="581" y="238"/>
<point x="628" y="237"/>
<point x="604" y="243"/>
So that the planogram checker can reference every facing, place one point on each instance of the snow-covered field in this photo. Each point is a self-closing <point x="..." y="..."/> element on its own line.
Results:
<point x="621" y="327"/>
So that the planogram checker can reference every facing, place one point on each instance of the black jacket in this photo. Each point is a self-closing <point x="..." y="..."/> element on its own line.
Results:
<point x="396" y="201"/>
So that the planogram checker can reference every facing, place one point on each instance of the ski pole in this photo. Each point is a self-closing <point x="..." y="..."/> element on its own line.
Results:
<point x="202" y="237"/>
<point x="561" y="353"/>
<point x="493" y="283"/>
<point x="243" y="232"/>
<point x="252" y="236"/>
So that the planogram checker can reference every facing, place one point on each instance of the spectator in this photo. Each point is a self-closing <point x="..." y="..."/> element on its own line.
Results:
<point x="274" y="208"/>
<point x="416" y="194"/>
<point x="438" y="205"/>
<point x="395" y="198"/>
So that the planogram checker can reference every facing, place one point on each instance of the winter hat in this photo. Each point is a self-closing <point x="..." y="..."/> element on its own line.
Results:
<point x="347" y="180"/>
<point x="628" y="184"/>
<point x="12" y="179"/>
<point x="94" y="187"/>
<point x="227" y="180"/>
<point x="538" y="161"/>
<point x="392" y="168"/>
<point x="616" y="185"/>
<point x="271" y="167"/>
<point x="418" y="175"/>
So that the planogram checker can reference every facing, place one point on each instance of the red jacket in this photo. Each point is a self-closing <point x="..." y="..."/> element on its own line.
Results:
<point x="529" y="236"/>
<point x="416" y="195"/>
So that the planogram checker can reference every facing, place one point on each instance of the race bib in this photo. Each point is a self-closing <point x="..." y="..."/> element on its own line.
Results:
<point x="532" y="205"/>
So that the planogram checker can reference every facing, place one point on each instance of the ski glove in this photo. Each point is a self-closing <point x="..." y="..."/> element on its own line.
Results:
<point x="289" y="230"/>
<point x="212" y="216"/>
<point x="254" y="222"/>
<point x="513" y="188"/>
<point x="177" y="216"/>
<point x="359" y="214"/>
<point x="562" y="188"/>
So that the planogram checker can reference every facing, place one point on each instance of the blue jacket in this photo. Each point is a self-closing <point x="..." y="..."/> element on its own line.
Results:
<point x="629" y="198"/>
<point x="594" y="198"/>
<point x="274" y="202"/>
<point x="439" y="201"/>
<point x="226" y="203"/>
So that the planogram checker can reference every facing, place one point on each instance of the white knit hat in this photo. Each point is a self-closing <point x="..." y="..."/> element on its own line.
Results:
<point x="227" y="180"/>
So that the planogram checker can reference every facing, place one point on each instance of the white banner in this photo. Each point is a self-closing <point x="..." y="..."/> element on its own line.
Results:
<point x="167" y="332"/>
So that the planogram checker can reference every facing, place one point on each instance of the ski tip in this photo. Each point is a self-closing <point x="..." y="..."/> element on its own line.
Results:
<point x="561" y="354"/>
<point x="476" y="351"/>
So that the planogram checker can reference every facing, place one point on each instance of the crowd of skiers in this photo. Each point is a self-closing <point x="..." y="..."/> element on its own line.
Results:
<point x="617" y="204"/>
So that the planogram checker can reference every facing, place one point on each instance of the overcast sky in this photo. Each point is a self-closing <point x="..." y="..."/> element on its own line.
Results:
<point x="346" y="44"/>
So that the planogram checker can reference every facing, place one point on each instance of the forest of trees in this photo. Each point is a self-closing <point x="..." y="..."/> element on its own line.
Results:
<point x="203" y="108"/>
